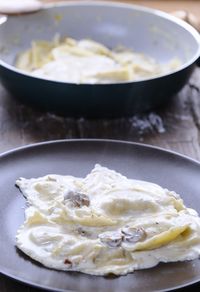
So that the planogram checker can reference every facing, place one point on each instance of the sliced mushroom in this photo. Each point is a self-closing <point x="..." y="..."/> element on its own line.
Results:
<point x="78" y="199"/>
<point x="51" y="178"/>
<point x="112" y="239"/>
<point x="67" y="262"/>
<point x="133" y="234"/>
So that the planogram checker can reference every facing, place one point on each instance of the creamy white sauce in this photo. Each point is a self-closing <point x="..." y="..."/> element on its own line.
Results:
<point x="76" y="70"/>
<point x="105" y="223"/>
<point x="87" y="61"/>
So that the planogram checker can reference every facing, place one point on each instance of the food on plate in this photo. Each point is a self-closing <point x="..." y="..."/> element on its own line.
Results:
<point x="87" y="61"/>
<point x="105" y="223"/>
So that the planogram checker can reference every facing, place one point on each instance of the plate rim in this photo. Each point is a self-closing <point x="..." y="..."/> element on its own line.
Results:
<point x="114" y="141"/>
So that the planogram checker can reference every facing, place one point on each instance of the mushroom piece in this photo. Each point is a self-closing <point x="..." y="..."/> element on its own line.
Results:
<point x="68" y="262"/>
<point x="112" y="239"/>
<point x="78" y="199"/>
<point x="133" y="234"/>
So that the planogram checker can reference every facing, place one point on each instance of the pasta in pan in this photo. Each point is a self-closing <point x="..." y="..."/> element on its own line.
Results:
<point x="87" y="61"/>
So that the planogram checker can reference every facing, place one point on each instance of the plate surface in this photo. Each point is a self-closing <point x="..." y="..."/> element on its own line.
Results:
<point x="77" y="157"/>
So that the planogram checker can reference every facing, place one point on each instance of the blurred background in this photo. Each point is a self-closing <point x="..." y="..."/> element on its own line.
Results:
<point x="168" y="6"/>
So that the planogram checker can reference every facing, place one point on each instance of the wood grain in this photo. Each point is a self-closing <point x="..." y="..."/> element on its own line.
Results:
<point x="21" y="125"/>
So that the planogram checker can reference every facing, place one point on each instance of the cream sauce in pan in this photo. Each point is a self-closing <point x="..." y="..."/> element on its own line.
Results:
<point x="87" y="61"/>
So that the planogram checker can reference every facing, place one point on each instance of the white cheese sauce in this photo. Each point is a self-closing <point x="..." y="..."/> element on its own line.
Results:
<point x="105" y="223"/>
<point x="87" y="61"/>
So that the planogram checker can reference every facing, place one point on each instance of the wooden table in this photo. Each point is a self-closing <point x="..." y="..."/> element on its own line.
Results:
<point x="176" y="127"/>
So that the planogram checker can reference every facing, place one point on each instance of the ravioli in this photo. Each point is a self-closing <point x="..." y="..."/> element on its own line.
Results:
<point x="105" y="223"/>
<point x="88" y="61"/>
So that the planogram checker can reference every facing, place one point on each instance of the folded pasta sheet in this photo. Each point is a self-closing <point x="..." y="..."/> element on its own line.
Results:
<point x="105" y="223"/>
<point x="87" y="61"/>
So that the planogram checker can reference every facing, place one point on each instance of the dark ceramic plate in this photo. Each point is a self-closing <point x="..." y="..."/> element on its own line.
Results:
<point x="77" y="157"/>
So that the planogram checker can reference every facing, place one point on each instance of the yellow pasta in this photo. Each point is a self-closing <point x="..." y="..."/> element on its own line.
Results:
<point x="105" y="223"/>
<point x="87" y="61"/>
